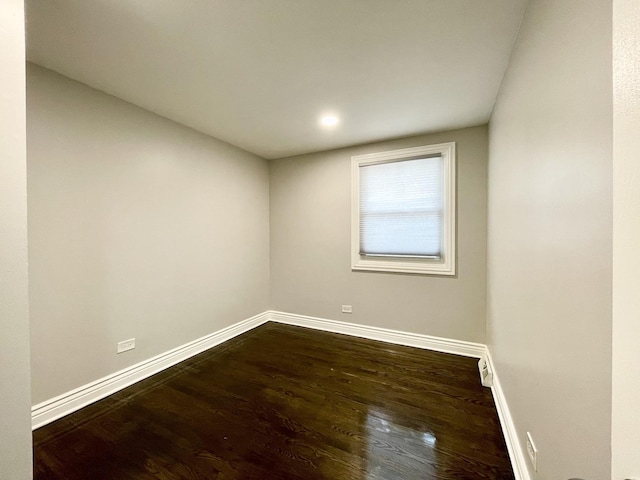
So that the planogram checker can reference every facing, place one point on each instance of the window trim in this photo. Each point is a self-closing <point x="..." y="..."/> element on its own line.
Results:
<point x="446" y="265"/>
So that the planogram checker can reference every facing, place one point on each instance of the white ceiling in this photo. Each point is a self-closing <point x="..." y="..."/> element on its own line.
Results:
<point x="258" y="73"/>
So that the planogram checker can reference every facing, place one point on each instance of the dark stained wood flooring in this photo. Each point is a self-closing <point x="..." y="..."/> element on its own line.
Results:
<point x="282" y="402"/>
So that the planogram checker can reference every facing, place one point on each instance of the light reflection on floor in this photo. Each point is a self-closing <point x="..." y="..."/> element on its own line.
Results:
<point x="398" y="451"/>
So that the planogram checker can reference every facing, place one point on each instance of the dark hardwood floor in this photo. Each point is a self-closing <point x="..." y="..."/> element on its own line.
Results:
<point x="282" y="402"/>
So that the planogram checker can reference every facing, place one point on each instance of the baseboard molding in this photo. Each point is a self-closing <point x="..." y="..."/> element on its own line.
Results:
<point x="516" y="453"/>
<point x="55" y="408"/>
<point x="446" y="345"/>
<point x="438" y="344"/>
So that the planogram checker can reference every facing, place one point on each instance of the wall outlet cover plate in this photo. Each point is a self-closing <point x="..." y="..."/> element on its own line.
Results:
<point x="126" y="345"/>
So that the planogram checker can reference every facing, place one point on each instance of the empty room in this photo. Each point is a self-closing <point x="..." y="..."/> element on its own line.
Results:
<point x="320" y="239"/>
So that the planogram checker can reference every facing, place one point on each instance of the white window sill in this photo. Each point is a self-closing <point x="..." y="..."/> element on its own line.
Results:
<point x="402" y="265"/>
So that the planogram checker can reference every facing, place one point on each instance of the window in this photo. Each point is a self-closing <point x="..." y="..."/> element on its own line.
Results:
<point x="403" y="210"/>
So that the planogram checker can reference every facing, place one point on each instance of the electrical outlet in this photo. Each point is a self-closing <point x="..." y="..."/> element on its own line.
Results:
<point x="486" y="375"/>
<point x="126" y="345"/>
<point x="347" y="309"/>
<point x="532" y="451"/>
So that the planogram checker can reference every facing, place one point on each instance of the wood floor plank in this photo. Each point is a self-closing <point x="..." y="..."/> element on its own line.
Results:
<point x="283" y="402"/>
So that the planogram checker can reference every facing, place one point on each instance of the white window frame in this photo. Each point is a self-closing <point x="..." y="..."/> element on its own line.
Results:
<point x="446" y="264"/>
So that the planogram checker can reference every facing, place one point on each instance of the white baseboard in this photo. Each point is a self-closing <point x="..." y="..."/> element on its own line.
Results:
<point x="438" y="344"/>
<point x="57" y="407"/>
<point x="446" y="345"/>
<point x="516" y="453"/>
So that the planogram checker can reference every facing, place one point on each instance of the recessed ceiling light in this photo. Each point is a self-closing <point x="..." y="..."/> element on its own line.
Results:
<point x="329" y="121"/>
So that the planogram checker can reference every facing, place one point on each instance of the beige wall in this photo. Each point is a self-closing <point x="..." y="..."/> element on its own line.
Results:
<point x="626" y="240"/>
<point x="15" y="420"/>
<point x="310" y="246"/>
<point x="549" y="264"/>
<point x="139" y="227"/>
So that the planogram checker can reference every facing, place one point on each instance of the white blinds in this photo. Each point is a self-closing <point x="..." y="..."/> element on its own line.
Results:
<point x="401" y="208"/>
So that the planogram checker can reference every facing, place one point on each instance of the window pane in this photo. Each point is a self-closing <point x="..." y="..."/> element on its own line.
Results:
<point x="401" y="208"/>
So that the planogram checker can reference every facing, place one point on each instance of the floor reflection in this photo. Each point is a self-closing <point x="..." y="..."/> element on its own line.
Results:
<point x="395" y="450"/>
